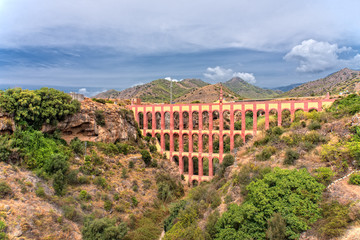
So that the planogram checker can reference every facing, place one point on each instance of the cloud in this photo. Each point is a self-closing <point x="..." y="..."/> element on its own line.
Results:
<point x="88" y="93"/>
<point x="172" y="79"/>
<point x="219" y="74"/>
<point x="315" y="56"/>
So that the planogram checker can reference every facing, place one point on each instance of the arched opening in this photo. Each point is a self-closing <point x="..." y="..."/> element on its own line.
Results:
<point x="237" y="120"/>
<point x="226" y="143"/>
<point x="186" y="164"/>
<point x="176" y="142"/>
<point x="205" y="120"/>
<point x="216" y="164"/>
<point x="226" y="120"/>
<point x="285" y="118"/>
<point x="216" y="120"/>
<point x="313" y="109"/>
<point x="167" y="120"/>
<point x="158" y="120"/>
<point x="299" y="115"/>
<point x="167" y="141"/>
<point x="260" y="119"/>
<point x="249" y="120"/>
<point x="194" y="183"/>
<point x="195" y="141"/>
<point x="176" y="160"/>
<point x="195" y="165"/>
<point x="185" y="140"/>
<point x="238" y="141"/>
<point x="205" y="166"/>
<point x="195" y="120"/>
<point x="205" y="143"/>
<point x="176" y="117"/>
<point x="149" y="120"/>
<point x="141" y="120"/>
<point x="158" y="137"/>
<point x="215" y="143"/>
<point x="185" y="120"/>
<point x="273" y="118"/>
<point x="248" y="137"/>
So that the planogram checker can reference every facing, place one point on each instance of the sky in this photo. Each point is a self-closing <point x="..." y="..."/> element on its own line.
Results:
<point x="93" y="45"/>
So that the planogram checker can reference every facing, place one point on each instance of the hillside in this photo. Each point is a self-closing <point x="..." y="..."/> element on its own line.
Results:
<point x="287" y="87"/>
<point x="209" y="93"/>
<point x="341" y="81"/>
<point x="155" y="91"/>
<point x="248" y="90"/>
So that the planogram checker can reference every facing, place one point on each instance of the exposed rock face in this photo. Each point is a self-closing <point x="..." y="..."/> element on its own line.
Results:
<point x="119" y="124"/>
<point x="7" y="124"/>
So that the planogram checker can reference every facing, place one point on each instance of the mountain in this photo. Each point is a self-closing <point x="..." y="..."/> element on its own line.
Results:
<point x="209" y="93"/>
<point x="155" y="91"/>
<point x="287" y="87"/>
<point x="247" y="90"/>
<point x="341" y="81"/>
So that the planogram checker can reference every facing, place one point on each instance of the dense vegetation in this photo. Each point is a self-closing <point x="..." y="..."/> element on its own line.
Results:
<point x="37" y="107"/>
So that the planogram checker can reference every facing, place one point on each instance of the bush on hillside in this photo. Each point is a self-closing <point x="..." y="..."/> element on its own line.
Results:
<point x="346" y="106"/>
<point x="37" y="107"/>
<point x="324" y="175"/>
<point x="103" y="229"/>
<point x="5" y="190"/>
<point x="291" y="156"/>
<point x="100" y="118"/>
<point x="146" y="157"/>
<point x="354" y="179"/>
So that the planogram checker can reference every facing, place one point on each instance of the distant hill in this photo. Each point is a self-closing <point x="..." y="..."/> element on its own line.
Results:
<point x="288" y="87"/>
<point x="341" y="81"/>
<point x="155" y="91"/>
<point x="247" y="90"/>
<point x="209" y="93"/>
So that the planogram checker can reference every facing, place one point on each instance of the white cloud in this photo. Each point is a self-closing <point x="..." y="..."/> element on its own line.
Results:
<point x="219" y="74"/>
<point x="87" y="93"/>
<point x="315" y="56"/>
<point x="172" y="79"/>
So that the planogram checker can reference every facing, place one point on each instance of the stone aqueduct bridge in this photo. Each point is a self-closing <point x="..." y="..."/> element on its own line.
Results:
<point x="155" y="119"/>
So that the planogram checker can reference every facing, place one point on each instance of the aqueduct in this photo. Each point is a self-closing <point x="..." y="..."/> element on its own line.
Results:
<point x="197" y="136"/>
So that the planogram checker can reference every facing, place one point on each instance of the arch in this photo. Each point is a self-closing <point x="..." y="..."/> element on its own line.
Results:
<point x="205" y="143"/>
<point x="167" y="120"/>
<point x="195" y="120"/>
<point x="175" y="159"/>
<point x="158" y="137"/>
<point x="313" y="109"/>
<point x="215" y="143"/>
<point x="299" y="115"/>
<point x="237" y="120"/>
<point x="216" y="164"/>
<point x="176" y="142"/>
<point x="260" y="119"/>
<point x="249" y="120"/>
<point x="141" y="120"/>
<point x="185" y="116"/>
<point x="186" y="164"/>
<point x="216" y="120"/>
<point x="167" y="141"/>
<point x="195" y="142"/>
<point x="226" y="120"/>
<point x="185" y="142"/>
<point x="205" y="161"/>
<point x="195" y="161"/>
<point x="248" y="137"/>
<point x="149" y="120"/>
<point x="226" y="143"/>
<point x="238" y="141"/>
<point x="285" y="118"/>
<point x="176" y="117"/>
<point x="158" y="120"/>
<point x="194" y="183"/>
<point x="205" y="120"/>
<point x="273" y="118"/>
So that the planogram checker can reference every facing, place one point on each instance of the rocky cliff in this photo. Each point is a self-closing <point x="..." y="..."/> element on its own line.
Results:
<point x="118" y="123"/>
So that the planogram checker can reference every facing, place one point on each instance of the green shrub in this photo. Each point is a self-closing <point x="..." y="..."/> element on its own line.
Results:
<point x="131" y="164"/>
<point x="72" y="214"/>
<point x="59" y="183"/>
<point x="346" y="106"/>
<point x="175" y="209"/>
<point x="314" y="125"/>
<point x="291" y="156"/>
<point x="37" y="107"/>
<point x="56" y="163"/>
<point x="2" y="231"/>
<point x="124" y="173"/>
<point x="77" y="146"/>
<point x="5" y="190"/>
<point x="154" y="163"/>
<point x="277" y="131"/>
<point x="146" y="157"/>
<point x="210" y="228"/>
<point x="108" y="205"/>
<point x="215" y="201"/>
<point x="265" y="154"/>
<point x="100" y="181"/>
<point x="100" y="118"/>
<point x="228" y="160"/>
<point x="84" y="195"/>
<point x="335" y="220"/>
<point x="123" y="148"/>
<point x="354" y="179"/>
<point x="324" y="175"/>
<point x="152" y="148"/>
<point x="103" y="229"/>
<point x="134" y="202"/>
<point x="40" y="192"/>
<point x="276" y="227"/>
<point x="99" y="100"/>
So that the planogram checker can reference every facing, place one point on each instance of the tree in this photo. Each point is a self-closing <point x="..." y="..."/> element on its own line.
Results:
<point x="103" y="229"/>
<point x="146" y="157"/>
<point x="294" y="194"/>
